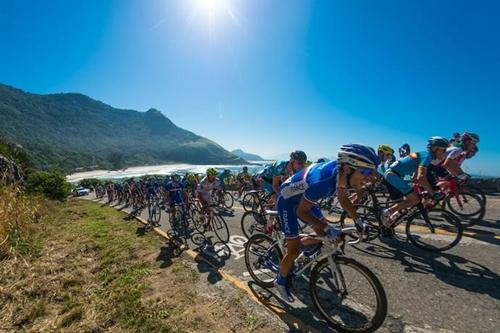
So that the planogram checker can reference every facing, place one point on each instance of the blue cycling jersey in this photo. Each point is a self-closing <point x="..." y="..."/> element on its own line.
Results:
<point x="313" y="183"/>
<point x="175" y="191"/>
<point x="409" y="164"/>
<point x="278" y="168"/>
<point x="151" y="186"/>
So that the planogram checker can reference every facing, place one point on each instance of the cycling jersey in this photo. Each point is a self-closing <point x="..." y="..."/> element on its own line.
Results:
<point x="244" y="177"/>
<point x="313" y="183"/>
<point x="409" y="164"/>
<point x="278" y="168"/>
<point x="175" y="192"/>
<point x="205" y="186"/>
<point x="222" y="179"/>
<point x="456" y="153"/>
<point x="151" y="187"/>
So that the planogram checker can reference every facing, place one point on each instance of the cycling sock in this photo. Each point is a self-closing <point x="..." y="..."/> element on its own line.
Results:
<point x="281" y="280"/>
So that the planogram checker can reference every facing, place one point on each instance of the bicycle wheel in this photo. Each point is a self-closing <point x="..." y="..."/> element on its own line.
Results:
<point x="199" y="220"/>
<point x="228" y="200"/>
<point x="476" y="190"/>
<point x="252" y="222"/>
<point x="219" y="227"/>
<point x="466" y="205"/>
<point x="262" y="258"/>
<point x="156" y="213"/>
<point x="249" y="202"/>
<point x="369" y="216"/>
<point x="440" y="232"/>
<point x="349" y="296"/>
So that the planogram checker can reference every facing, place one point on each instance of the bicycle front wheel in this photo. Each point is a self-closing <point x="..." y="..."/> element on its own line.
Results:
<point x="262" y="258"/>
<point x="228" y="199"/>
<point x="466" y="205"/>
<point x="250" y="201"/>
<point x="434" y="230"/>
<point x="251" y="223"/>
<point x="220" y="228"/>
<point x="349" y="296"/>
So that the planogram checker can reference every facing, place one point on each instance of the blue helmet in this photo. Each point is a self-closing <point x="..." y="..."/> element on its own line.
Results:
<point x="358" y="156"/>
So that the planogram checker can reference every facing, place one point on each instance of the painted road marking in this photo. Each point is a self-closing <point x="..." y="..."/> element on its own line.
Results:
<point x="258" y="271"/>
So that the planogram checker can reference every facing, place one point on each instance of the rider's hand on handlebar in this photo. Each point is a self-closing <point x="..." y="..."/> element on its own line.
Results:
<point x="333" y="234"/>
<point x="438" y="195"/>
<point x="463" y="177"/>
<point x="360" y="225"/>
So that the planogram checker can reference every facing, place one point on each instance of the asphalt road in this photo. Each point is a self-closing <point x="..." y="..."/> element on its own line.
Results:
<point x="454" y="291"/>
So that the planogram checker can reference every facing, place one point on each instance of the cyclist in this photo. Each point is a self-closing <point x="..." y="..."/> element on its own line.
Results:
<point x="414" y="164"/>
<point x="300" y="194"/>
<point x="190" y="183"/>
<point x="243" y="179"/>
<point x="404" y="150"/>
<point x="175" y="194"/>
<point x="466" y="148"/>
<point x="224" y="177"/>
<point x="273" y="174"/>
<point x="386" y="156"/>
<point x="207" y="186"/>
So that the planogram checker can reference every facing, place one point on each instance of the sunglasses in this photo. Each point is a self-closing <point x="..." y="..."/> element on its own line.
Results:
<point x="366" y="171"/>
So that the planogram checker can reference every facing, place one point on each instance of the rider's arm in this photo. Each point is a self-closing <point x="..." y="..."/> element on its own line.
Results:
<point x="452" y="166"/>
<point x="422" y="179"/>
<point x="343" y="194"/>
<point x="276" y="185"/>
<point x="304" y="213"/>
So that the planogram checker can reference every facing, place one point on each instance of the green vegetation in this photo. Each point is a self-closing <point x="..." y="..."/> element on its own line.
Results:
<point x="94" y="272"/>
<point x="51" y="184"/>
<point x="72" y="131"/>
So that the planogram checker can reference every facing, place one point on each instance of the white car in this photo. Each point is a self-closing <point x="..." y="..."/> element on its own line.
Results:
<point x="80" y="191"/>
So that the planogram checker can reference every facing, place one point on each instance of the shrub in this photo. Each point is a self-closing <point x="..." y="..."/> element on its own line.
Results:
<point x="51" y="184"/>
<point x="90" y="182"/>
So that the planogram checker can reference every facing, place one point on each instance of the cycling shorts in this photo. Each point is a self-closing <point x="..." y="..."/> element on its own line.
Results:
<point x="397" y="183"/>
<point x="288" y="217"/>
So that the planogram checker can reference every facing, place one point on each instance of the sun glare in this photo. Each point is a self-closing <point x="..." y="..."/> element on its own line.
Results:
<point x="214" y="12"/>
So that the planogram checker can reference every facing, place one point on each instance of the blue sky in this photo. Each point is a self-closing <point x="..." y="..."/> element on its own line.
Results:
<point x="270" y="76"/>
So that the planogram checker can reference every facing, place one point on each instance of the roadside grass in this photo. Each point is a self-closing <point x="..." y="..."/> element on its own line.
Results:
<point x="93" y="272"/>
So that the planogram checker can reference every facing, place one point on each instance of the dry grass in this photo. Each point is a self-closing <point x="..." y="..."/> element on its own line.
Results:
<point x="94" y="273"/>
<point x="19" y="213"/>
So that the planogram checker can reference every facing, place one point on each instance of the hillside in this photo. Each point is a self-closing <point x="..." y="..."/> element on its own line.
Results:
<point x="247" y="156"/>
<point x="71" y="131"/>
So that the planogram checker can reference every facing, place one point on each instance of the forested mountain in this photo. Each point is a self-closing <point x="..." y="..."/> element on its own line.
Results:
<point x="71" y="131"/>
<point x="247" y="156"/>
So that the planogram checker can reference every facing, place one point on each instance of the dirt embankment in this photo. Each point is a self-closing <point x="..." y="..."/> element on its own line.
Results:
<point x="94" y="272"/>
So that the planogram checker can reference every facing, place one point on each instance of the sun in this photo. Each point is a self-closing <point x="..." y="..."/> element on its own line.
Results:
<point x="214" y="12"/>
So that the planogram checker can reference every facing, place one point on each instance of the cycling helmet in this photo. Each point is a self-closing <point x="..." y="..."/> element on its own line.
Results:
<point x="385" y="149"/>
<point x="245" y="169"/>
<point x="321" y="160"/>
<point x="227" y="172"/>
<point x="404" y="150"/>
<point x="176" y="178"/>
<point x="467" y="136"/>
<point x="211" y="172"/>
<point x="358" y="156"/>
<point x="437" y="141"/>
<point x="298" y="155"/>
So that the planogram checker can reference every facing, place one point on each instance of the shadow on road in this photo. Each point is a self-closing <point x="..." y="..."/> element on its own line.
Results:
<point x="309" y="319"/>
<point x="449" y="268"/>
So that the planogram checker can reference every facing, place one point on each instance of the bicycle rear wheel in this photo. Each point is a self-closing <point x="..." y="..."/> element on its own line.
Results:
<point x="440" y="232"/>
<point x="349" y="296"/>
<point x="262" y="258"/>
<point x="220" y="228"/>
